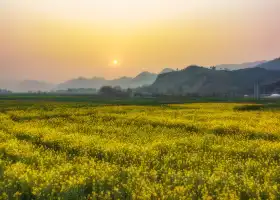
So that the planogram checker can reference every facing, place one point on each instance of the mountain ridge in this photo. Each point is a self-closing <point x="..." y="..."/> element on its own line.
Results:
<point x="271" y="65"/>
<point x="144" y="78"/>
<point x="240" y="66"/>
<point x="195" y="79"/>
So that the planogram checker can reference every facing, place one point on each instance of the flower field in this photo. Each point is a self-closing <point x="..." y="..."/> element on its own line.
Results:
<point x="72" y="150"/>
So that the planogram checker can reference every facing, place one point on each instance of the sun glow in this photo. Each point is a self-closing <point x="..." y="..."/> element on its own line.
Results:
<point x="106" y="10"/>
<point x="114" y="38"/>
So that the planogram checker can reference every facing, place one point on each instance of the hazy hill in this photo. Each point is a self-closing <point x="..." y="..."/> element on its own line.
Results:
<point x="8" y="84"/>
<point x="240" y="66"/>
<point x="166" y="70"/>
<point x="202" y="80"/>
<point x="144" y="78"/>
<point x="191" y="79"/>
<point x="271" y="65"/>
<point x="123" y="82"/>
<point x="26" y="86"/>
<point x="33" y="85"/>
<point x="81" y="82"/>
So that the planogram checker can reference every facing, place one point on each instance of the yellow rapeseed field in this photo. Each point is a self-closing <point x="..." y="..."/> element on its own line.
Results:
<point x="186" y="151"/>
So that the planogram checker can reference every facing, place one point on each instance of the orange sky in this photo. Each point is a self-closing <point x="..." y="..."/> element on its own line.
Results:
<point x="57" y="40"/>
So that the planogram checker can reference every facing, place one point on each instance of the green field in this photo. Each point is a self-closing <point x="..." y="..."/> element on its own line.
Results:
<point x="82" y="150"/>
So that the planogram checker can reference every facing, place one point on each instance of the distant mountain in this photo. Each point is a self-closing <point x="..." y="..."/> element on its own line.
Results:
<point x="144" y="78"/>
<point x="239" y="66"/>
<point x="271" y="65"/>
<point x="166" y="70"/>
<point x="26" y="86"/>
<point x="206" y="81"/>
<point x="33" y="85"/>
<point x="191" y="79"/>
<point x="123" y="82"/>
<point x="81" y="82"/>
<point x="8" y="84"/>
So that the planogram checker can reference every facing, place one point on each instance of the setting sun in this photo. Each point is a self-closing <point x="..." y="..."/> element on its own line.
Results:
<point x="116" y="62"/>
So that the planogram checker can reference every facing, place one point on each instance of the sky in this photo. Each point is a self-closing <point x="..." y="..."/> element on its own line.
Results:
<point x="56" y="40"/>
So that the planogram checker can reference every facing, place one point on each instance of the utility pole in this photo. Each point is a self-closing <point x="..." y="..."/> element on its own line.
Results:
<point x="257" y="90"/>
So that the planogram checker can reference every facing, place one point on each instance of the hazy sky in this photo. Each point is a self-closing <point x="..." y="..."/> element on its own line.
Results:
<point x="56" y="40"/>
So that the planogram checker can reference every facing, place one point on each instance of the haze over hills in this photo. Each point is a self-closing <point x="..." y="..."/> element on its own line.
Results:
<point x="81" y="82"/>
<point x="144" y="78"/>
<point x="26" y="85"/>
<point x="239" y="66"/>
<point x="271" y="65"/>
<point x="166" y="70"/>
<point x="192" y="79"/>
<point x="33" y="85"/>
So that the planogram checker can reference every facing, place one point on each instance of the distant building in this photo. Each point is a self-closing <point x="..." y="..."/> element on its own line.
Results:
<point x="273" y="96"/>
<point x="272" y="88"/>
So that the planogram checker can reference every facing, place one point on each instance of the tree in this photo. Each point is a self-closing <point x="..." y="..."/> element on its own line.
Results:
<point x="129" y="92"/>
<point x="107" y="91"/>
<point x="117" y="88"/>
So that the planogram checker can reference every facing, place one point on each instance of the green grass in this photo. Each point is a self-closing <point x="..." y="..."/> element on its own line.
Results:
<point x="53" y="149"/>
<point x="97" y="99"/>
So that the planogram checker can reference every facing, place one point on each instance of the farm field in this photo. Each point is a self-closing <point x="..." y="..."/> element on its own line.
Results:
<point x="57" y="150"/>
